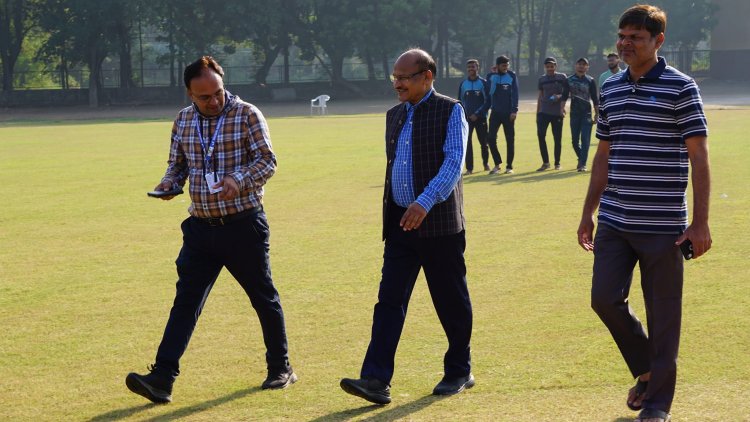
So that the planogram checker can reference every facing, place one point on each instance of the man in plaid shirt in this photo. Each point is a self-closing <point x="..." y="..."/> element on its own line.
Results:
<point x="222" y="146"/>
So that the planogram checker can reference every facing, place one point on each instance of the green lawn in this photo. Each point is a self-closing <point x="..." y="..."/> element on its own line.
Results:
<point x="87" y="279"/>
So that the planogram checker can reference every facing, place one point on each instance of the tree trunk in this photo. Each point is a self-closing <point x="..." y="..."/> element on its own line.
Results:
<point x="386" y="69"/>
<point x="544" y="42"/>
<point x="94" y="74"/>
<point x="370" y="66"/>
<point x="269" y="56"/>
<point x="126" y="62"/>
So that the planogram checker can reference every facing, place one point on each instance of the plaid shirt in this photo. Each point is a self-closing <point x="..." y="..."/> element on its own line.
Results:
<point x="242" y="151"/>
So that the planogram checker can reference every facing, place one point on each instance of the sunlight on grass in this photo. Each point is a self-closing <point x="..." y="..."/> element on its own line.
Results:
<point x="87" y="279"/>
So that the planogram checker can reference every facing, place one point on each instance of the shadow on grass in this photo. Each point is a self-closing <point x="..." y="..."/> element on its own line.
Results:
<point x="180" y="413"/>
<point x="393" y="413"/>
<point x="525" y="177"/>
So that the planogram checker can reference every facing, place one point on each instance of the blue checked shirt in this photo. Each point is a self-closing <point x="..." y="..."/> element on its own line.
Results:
<point x="441" y="186"/>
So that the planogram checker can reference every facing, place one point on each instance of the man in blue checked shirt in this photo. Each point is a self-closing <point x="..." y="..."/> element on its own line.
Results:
<point x="423" y="228"/>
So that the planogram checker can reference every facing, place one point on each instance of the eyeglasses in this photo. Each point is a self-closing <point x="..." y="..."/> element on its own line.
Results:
<point x="206" y="98"/>
<point x="406" y="78"/>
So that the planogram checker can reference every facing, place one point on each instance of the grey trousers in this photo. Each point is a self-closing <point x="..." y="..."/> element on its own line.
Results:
<point x="661" y="266"/>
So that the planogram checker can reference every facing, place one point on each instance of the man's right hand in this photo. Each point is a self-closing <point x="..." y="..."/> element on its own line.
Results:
<point x="586" y="233"/>
<point x="164" y="186"/>
<point x="473" y="117"/>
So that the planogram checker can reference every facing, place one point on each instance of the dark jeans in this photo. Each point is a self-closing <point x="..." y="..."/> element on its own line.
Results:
<point x="481" y="128"/>
<point x="242" y="247"/>
<point x="542" y="121"/>
<point x="580" y="129"/>
<point x="509" y="128"/>
<point x="661" y="266"/>
<point x="442" y="259"/>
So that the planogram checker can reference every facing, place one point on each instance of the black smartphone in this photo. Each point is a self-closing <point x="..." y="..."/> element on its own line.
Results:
<point x="162" y="193"/>
<point x="687" y="249"/>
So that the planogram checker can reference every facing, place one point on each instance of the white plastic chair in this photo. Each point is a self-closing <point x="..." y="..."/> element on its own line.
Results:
<point x="319" y="103"/>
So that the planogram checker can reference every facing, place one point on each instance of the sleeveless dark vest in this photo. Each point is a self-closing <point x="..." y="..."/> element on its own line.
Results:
<point x="430" y="125"/>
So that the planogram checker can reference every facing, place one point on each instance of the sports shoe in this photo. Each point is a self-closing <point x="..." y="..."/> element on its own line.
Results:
<point x="279" y="379"/>
<point x="508" y="171"/>
<point x="468" y="172"/>
<point x="557" y="167"/>
<point x="495" y="170"/>
<point x="486" y="167"/>
<point x="544" y="166"/>
<point x="582" y="169"/>
<point x="155" y="386"/>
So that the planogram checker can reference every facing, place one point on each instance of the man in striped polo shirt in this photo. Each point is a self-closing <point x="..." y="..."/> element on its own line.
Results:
<point x="651" y="129"/>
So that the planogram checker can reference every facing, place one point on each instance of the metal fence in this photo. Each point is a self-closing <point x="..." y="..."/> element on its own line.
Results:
<point x="694" y="62"/>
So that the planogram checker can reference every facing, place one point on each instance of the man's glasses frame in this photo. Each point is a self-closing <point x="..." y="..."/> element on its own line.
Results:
<point x="406" y="78"/>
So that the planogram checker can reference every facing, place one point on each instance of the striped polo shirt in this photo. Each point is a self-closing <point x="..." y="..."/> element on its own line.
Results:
<point x="646" y="123"/>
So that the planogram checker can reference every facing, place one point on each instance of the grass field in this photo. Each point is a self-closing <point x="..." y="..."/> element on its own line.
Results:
<point x="87" y="279"/>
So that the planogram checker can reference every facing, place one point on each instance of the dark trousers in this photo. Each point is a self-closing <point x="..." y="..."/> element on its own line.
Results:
<point x="542" y="121"/>
<point x="481" y="128"/>
<point x="509" y="128"/>
<point x="242" y="247"/>
<point x="442" y="259"/>
<point x="661" y="266"/>
<point x="580" y="130"/>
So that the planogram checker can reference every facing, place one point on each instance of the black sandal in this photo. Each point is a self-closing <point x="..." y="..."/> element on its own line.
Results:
<point x="653" y="413"/>
<point x="640" y="389"/>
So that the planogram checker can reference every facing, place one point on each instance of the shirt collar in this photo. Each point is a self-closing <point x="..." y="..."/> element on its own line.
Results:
<point x="409" y="106"/>
<point x="653" y="74"/>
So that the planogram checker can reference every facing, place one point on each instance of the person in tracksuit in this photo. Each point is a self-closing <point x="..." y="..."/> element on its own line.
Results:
<point x="501" y="95"/>
<point x="472" y="97"/>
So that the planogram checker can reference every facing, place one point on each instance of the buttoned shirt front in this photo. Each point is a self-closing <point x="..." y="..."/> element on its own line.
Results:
<point x="441" y="186"/>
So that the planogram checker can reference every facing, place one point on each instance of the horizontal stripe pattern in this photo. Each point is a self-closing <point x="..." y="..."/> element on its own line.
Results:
<point x="646" y="124"/>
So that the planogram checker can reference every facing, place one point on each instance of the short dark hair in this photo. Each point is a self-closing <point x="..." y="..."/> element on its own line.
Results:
<point x="613" y="55"/>
<point x="474" y="61"/>
<point x="196" y="69"/>
<point x="644" y="16"/>
<point x="502" y="60"/>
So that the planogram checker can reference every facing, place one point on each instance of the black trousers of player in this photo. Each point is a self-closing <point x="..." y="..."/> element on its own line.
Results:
<point x="509" y="129"/>
<point x="242" y="247"/>
<point x="542" y="121"/>
<point x="661" y="267"/>
<point x="481" y="128"/>
<point x="442" y="259"/>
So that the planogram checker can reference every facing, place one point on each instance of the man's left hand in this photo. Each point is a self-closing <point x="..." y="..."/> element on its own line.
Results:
<point x="413" y="217"/>
<point x="230" y="189"/>
<point x="513" y="117"/>
<point x="700" y="236"/>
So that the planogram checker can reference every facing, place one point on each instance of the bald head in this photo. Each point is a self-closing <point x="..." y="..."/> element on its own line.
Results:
<point x="413" y="73"/>
<point x="419" y="58"/>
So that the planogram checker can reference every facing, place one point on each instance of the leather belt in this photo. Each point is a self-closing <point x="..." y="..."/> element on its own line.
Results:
<point x="227" y="219"/>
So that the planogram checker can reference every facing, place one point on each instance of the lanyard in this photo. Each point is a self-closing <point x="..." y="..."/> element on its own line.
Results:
<point x="210" y="150"/>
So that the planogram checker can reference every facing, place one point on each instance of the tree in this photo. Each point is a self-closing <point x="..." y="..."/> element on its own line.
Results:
<point x="480" y="27"/>
<point x="15" y="23"/>
<point x="269" y="25"/>
<point x="387" y="28"/>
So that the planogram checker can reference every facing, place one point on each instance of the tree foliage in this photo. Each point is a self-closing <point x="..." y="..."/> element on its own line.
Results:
<point x="86" y="32"/>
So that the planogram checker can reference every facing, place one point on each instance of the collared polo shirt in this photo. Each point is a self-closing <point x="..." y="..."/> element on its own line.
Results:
<point x="647" y="123"/>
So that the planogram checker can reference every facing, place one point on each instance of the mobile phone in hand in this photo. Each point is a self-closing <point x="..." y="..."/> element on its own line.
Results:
<point x="162" y="193"/>
<point x="687" y="249"/>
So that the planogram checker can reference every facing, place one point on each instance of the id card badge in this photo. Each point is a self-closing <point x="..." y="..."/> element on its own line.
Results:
<point x="212" y="179"/>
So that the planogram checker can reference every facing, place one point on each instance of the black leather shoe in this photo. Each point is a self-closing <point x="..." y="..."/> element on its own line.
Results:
<point x="370" y="389"/>
<point x="450" y="386"/>
<point x="278" y="379"/>
<point x="154" y="386"/>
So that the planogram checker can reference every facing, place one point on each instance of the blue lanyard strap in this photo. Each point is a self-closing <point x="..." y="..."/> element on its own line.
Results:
<point x="210" y="150"/>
